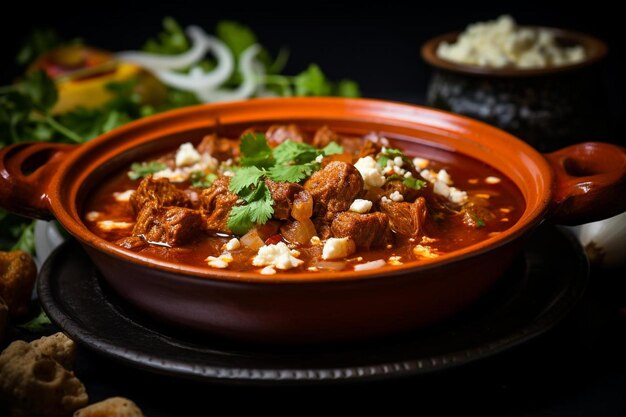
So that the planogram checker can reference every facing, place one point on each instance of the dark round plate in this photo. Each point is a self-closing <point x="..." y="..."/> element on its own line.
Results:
<point x="537" y="292"/>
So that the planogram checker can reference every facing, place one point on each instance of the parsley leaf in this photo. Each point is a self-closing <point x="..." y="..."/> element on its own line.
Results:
<point x="201" y="180"/>
<point x="244" y="178"/>
<point x="292" y="173"/>
<point x="255" y="151"/>
<point x="140" y="170"/>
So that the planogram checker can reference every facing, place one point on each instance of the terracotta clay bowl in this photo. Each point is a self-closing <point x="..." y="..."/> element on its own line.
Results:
<point x="576" y="184"/>
<point x="547" y="107"/>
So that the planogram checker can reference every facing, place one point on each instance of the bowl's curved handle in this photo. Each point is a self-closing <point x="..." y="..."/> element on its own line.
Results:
<point x="590" y="182"/>
<point x="25" y="172"/>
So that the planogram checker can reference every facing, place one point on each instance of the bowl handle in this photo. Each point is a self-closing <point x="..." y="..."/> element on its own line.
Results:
<point x="25" y="172"/>
<point x="590" y="182"/>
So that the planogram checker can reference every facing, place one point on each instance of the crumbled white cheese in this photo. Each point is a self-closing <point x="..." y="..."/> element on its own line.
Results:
<point x="396" y="196"/>
<point x="429" y="175"/>
<point x="371" y="172"/>
<point x="315" y="240"/>
<point x="443" y="175"/>
<point x="384" y="199"/>
<point x="187" y="155"/>
<point x="499" y="43"/>
<point x="232" y="244"/>
<point x="278" y="256"/>
<point x="268" y="270"/>
<point x="319" y="159"/>
<point x="361" y="206"/>
<point x="123" y="196"/>
<point x="420" y="163"/>
<point x="379" y="263"/>
<point x="221" y="261"/>
<point x="424" y="252"/>
<point x="174" y="175"/>
<point x="492" y="180"/>
<point x="336" y="248"/>
<point x="457" y="196"/>
<point x="398" y="170"/>
<point x="92" y="216"/>
<point x="408" y="174"/>
<point x="397" y="161"/>
<point x="109" y="225"/>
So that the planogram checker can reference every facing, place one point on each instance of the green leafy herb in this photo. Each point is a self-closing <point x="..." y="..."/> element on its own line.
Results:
<point x="236" y="36"/>
<point x="348" y="88"/>
<point x="143" y="169"/>
<point x="245" y="178"/>
<point x="255" y="151"/>
<point x="171" y="41"/>
<point x="37" y="324"/>
<point x="201" y="180"/>
<point x="292" y="173"/>
<point x="294" y="152"/>
<point x="258" y="209"/>
<point x="312" y="82"/>
<point x="332" y="148"/>
<point x="480" y="222"/>
<point x="414" y="183"/>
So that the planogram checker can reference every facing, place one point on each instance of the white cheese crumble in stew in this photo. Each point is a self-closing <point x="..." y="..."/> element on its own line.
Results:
<point x="285" y="200"/>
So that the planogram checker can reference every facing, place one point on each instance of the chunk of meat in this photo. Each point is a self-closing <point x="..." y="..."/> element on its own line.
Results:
<point x="322" y="226"/>
<point x="134" y="243"/>
<point x="324" y="136"/>
<point x="220" y="148"/>
<point x="216" y="203"/>
<point x="277" y="134"/>
<point x="284" y="194"/>
<point x="334" y="187"/>
<point x="369" y="230"/>
<point x="174" y="226"/>
<point x="406" y="219"/>
<point x="409" y="194"/>
<point x="476" y="216"/>
<point x="369" y="148"/>
<point x="159" y="192"/>
<point x="17" y="278"/>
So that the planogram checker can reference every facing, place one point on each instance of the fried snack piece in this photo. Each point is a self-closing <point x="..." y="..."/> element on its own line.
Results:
<point x="17" y="278"/>
<point x="4" y="317"/>
<point x="34" y="384"/>
<point x="112" y="407"/>
<point x="59" y="347"/>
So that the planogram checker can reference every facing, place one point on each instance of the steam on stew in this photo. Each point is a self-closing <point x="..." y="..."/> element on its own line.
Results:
<point x="283" y="200"/>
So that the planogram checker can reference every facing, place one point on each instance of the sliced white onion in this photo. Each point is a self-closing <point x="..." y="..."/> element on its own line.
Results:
<point x="156" y="62"/>
<point x="197" y="80"/>
<point x="251" y="73"/>
<point x="379" y="263"/>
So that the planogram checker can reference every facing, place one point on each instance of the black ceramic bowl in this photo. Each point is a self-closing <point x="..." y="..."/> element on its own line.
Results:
<point x="548" y="107"/>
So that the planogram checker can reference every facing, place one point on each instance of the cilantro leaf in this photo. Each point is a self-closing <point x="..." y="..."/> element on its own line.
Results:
<point x="255" y="151"/>
<point x="348" y="88"/>
<point x="243" y="218"/>
<point x="40" y="89"/>
<point x="37" y="324"/>
<point x="294" y="152"/>
<point x="332" y="148"/>
<point x="414" y="183"/>
<point x="236" y="36"/>
<point x="312" y="82"/>
<point x="140" y="170"/>
<point x="382" y="161"/>
<point x="245" y="177"/>
<point x="201" y="180"/>
<point x="292" y="173"/>
<point x="171" y="41"/>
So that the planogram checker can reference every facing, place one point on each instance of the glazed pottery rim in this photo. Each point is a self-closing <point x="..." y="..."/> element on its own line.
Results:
<point x="596" y="49"/>
<point x="71" y="220"/>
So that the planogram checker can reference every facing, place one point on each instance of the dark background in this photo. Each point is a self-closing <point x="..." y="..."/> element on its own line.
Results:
<point x="377" y="44"/>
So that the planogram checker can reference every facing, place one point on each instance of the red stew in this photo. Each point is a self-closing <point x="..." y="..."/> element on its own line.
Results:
<point x="287" y="200"/>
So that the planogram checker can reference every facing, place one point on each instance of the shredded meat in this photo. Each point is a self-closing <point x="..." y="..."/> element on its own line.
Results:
<point x="283" y="194"/>
<point x="369" y="148"/>
<point x="369" y="230"/>
<point x="406" y="219"/>
<point x="174" y="226"/>
<point x="160" y="192"/>
<point x="333" y="188"/>
<point x="324" y="136"/>
<point x="216" y="203"/>
<point x="220" y="148"/>
<point x="277" y="134"/>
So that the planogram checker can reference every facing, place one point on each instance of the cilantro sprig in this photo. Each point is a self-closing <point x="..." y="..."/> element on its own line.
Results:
<point x="288" y="162"/>
<point x="143" y="169"/>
